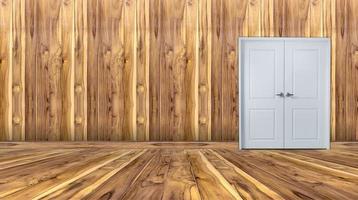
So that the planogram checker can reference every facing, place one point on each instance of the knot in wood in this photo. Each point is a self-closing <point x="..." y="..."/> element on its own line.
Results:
<point x="16" y="88"/>
<point x="78" y="120"/>
<point x="140" y="120"/>
<point x="140" y="88"/>
<point x="16" y="120"/>
<point x="78" y="88"/>
<point x="202" y="88"/>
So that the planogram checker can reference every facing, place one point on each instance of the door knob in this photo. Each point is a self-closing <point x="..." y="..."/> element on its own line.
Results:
<point x="281" y="94"/>
<point x="289" y="94"/>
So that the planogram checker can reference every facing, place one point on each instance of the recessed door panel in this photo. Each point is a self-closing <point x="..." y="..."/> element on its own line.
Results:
<point x="305" y="124"/>
<point x="262" y="73"/>
<point x="262" y="124"/>
<point x="305" y="89"/>
<point x="305" y="66"/>
<point x="263" y="111"/>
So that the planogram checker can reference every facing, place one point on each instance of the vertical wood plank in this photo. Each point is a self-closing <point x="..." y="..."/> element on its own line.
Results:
<point x="142" y="87"/>
<point x="116" y="67"/>
<point x="278" y="9"/>
<point x="254" y="17"/>
<point x="296" y="21"/>
<point x="352" y="71"/>
<point x="6" y="69"/>
<point x="46" y="66"/>
<point x="234" y="20"/>
<point x="170" y="119"/>
<point x="267" y="18"/>
<point x="31" y="31"/>
<point x="170" y="88"/>
<point x="341" y="54"/>
<point x="54" y="67"/>
<point x="129" y="81"/>
<point x="93" y="59"/>
<point x="190" y="84"/>
<point x="177" y="76"/>
<point x="155" y="35"/>
<point x="329" y="30"/>
<point x="316" y="18"/>
<point x="111" y="70"/>
<point x="66" y="90"/>
<point x="80" y="71"/>
<point x="216" y="56"/>
<point x="204" y="71"/>
<point x="18" y="67"/>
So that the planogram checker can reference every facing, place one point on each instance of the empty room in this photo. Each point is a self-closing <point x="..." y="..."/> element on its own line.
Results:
<point x="179" y="99"/>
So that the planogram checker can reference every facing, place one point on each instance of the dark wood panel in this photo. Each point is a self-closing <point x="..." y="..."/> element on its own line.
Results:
<point x="216" y="69"/>
<point x="346" y="70"/>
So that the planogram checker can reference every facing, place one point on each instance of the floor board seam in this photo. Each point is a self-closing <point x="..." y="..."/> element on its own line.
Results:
<point x="317" y="165"/>
<point x="61" y="185"/>
<point x="262" y="187"/>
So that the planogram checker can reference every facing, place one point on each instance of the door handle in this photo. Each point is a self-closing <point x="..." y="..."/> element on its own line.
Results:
<point x="289" y="94"/>
<point x="281" y="94"/>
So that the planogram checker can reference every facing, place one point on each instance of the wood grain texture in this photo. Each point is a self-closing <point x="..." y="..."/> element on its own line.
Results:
<point x="80" y="70"/>
<point x="48" y="61"/>
<point x="142" y="77"/>
<point x="177" y="72"/>
<point x="18" y="70"/>
<point x="157" y="170"/>
<point x="155" y="35"/>
<point x="153" y="70"/>
<point x="6" y="69"/>
<point x="204" y="71"/>
<point x="31" y="32"/>
<point x="346" y="71"/>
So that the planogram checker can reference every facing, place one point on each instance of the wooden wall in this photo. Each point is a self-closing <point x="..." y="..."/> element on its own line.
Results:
<point x="153" y="69"/>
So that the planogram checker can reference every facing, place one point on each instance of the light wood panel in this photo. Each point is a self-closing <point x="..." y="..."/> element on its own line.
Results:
<point x="80" y="70"/>
<point x="18" y="70"/>
<point x="149" y="170"/>
<point x="6" y="69"/>
<point x="49" y="64"/>
<point x="153" y="70"/>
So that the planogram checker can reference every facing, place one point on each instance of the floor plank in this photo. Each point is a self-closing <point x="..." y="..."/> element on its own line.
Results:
<point x="246" y="185"/>
<point x="211" y="184"/>
<point x="154" y="170"/>
<point x="117" y="186"/>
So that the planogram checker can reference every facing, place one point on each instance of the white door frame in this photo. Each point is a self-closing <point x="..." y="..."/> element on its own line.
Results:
<point x="327" y="120"/>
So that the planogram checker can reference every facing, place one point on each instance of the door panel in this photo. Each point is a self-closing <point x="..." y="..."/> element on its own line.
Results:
<point x="305" y="126"/>
<point x="262" y="124"/>
<point x="263" y="74"/>
<point x="305" y="77"/>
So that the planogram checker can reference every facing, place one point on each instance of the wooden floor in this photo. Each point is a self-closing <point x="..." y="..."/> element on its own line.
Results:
<point x="175" y="171"/>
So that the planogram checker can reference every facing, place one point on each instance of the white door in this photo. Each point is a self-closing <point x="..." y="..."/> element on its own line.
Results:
<point x="262" y="95"/>
<point x="306" y="94"/>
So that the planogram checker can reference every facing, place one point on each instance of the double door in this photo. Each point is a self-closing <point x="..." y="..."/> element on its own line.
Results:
<point x="285" y="93"/>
